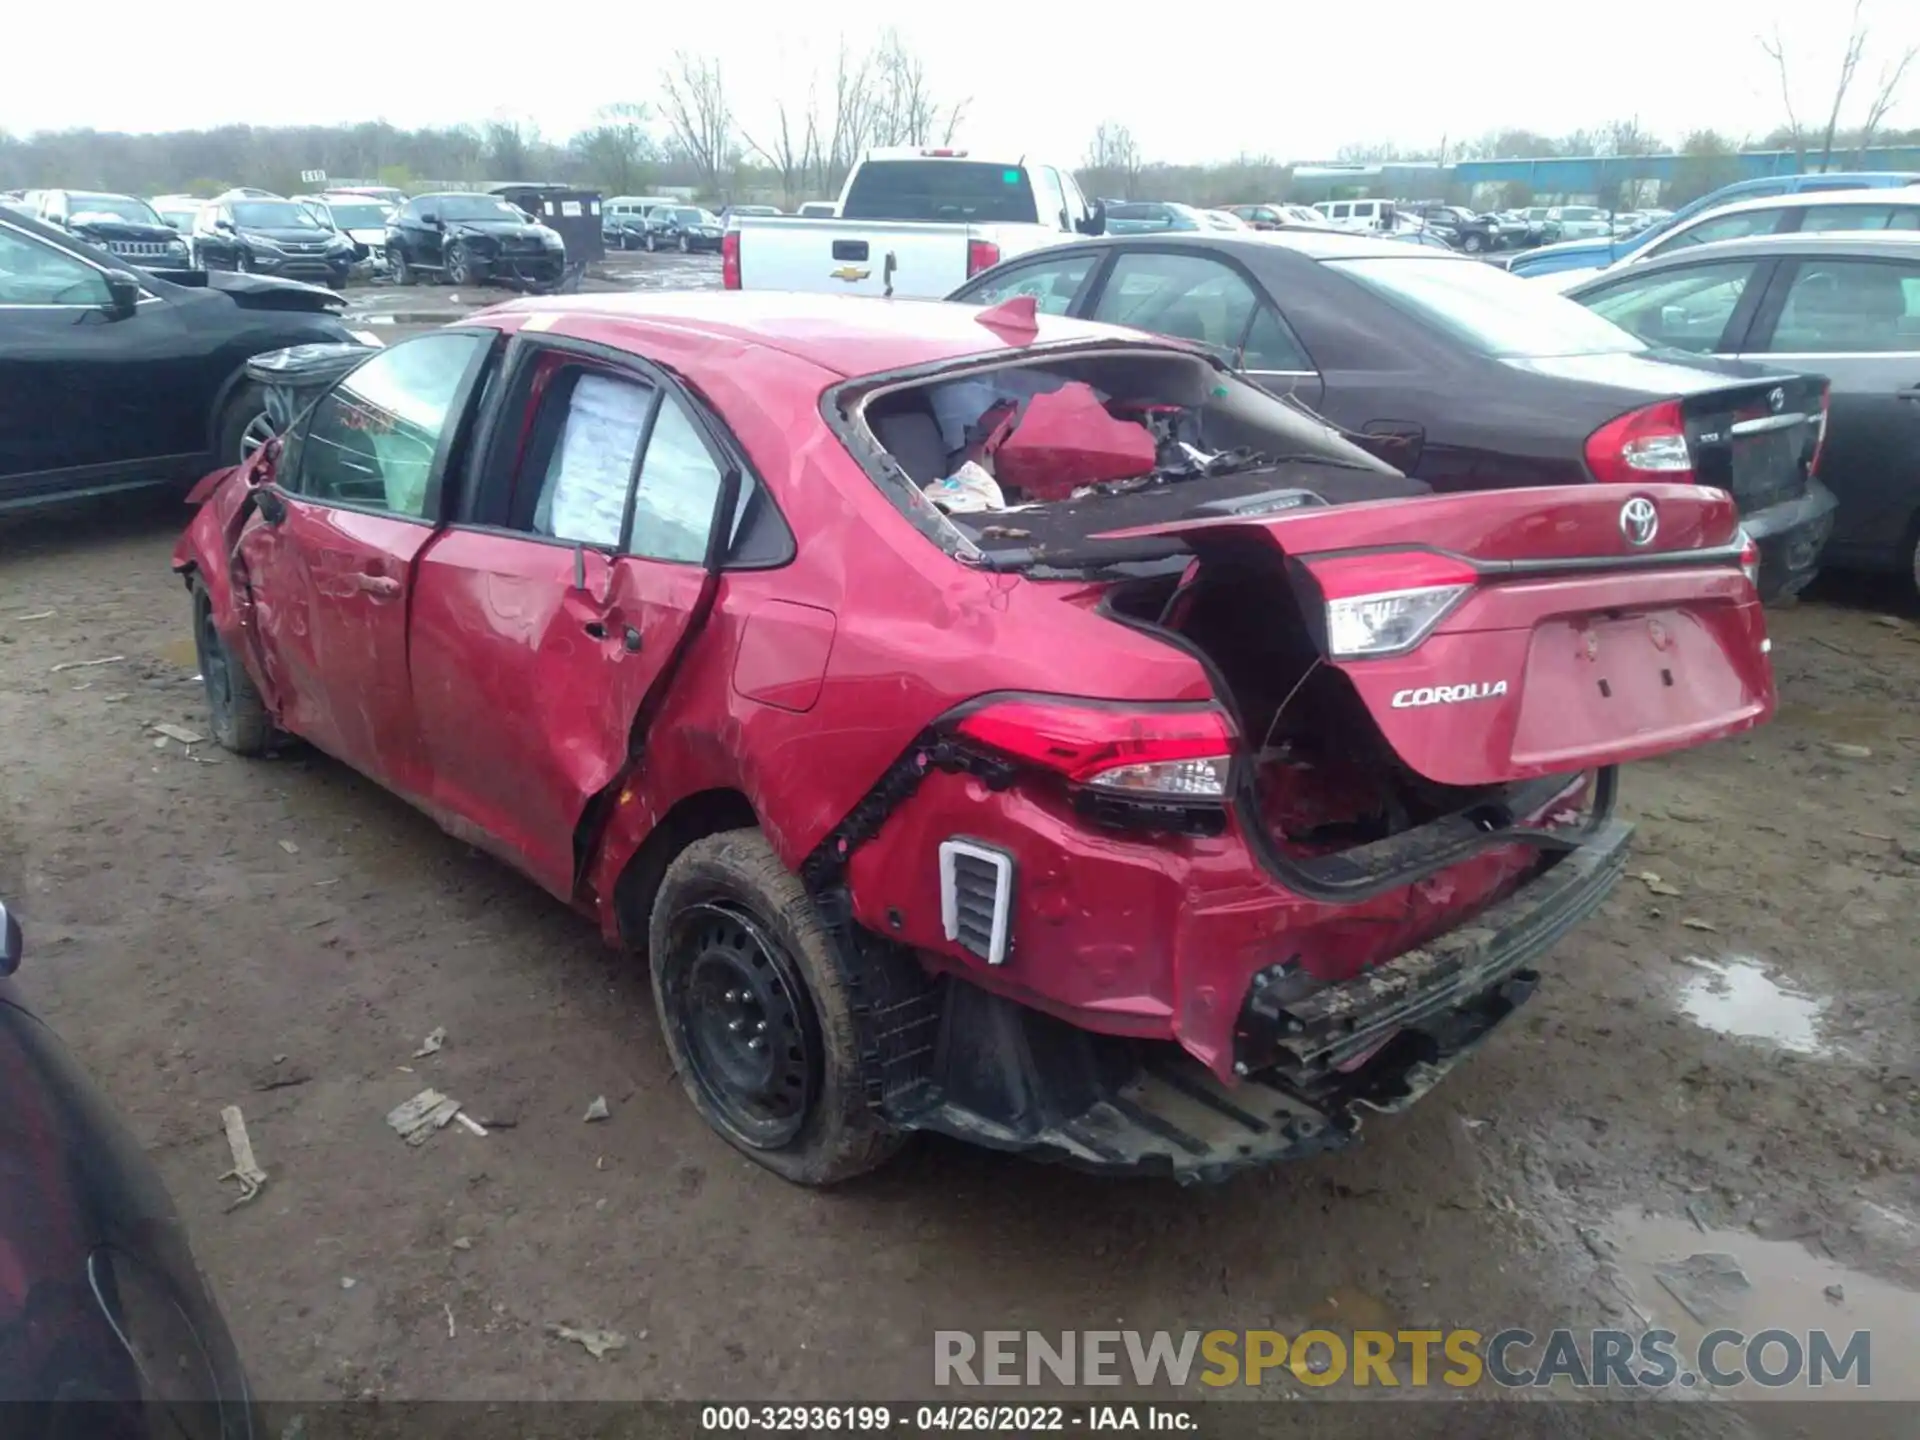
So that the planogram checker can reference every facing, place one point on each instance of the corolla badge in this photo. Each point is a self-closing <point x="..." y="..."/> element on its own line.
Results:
<point x="1639" y="521"/>
<point x="1447" y="694"/>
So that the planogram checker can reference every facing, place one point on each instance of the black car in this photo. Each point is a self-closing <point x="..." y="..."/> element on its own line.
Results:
<point x="271" y="237"/>
<point x="102" y="1307"/>
<point x="1462" y="228"/>
<point x="1845" y="305"/>
<point x="128" y="228"/>
<point x="1458" y="373"/>
<point x="683" y="228"/>
<point x="467" y="239"/>
<point x="113" y="378"/>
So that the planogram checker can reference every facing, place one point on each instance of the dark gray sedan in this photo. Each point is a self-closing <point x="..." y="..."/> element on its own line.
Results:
<point x="1844" y="305"/>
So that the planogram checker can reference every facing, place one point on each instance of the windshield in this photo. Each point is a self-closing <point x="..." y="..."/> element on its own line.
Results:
<point x="275" y="214"/>
<point x="357" y="215"/>
<point x="179" y="219"/>
<point x="110" y="207"/>
<point x="954" y="191"/>
<point x="1495" y="313"/>
<point x="687" y="215"/>
<point x="476" y="207"/>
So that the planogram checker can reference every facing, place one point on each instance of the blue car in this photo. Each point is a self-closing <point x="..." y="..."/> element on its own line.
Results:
<point x="1592" y="254"/>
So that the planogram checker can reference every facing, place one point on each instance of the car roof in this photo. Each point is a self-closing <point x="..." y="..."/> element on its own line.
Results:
<point x="1867" y="245"/>
<point x="848" y="335"/>
<point x="1314" y="244"/>
<point x="1803" y="199"/>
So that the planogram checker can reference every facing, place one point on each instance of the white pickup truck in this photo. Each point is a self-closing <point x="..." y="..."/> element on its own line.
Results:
<point x="913" y="222"/>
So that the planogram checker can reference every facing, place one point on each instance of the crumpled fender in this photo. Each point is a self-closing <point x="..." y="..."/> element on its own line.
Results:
<point x="208" y="549"/>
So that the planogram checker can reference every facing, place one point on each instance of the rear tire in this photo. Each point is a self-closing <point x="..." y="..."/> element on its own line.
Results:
<point x="756" y="1006"/>
<point x="398" y="267"/>
<point x="244" y="425"/>
<point x="235" y="712"/>
<point x="1472" y="244"/>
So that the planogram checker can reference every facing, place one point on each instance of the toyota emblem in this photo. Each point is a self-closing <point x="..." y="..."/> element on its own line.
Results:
<point x="1639" y="521"/>
<point x="1776" y="399"/>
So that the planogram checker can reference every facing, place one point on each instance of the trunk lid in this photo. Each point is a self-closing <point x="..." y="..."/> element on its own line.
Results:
<point x="1552" y="630"/>
<point x="903" y="258"/>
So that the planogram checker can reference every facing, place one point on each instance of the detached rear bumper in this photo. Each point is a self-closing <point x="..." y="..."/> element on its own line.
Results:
<point x="1002" y="1075"/>
<point x="1791" y="535"/>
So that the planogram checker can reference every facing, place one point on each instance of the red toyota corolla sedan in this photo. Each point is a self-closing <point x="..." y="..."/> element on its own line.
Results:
<point x="982" y="722"/>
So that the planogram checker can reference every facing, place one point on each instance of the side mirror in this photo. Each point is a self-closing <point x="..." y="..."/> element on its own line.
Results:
<point x="12" y="943"/>
<point x="123" y="295"/>
<point x="432" y="220"/>
<point x="1096" y="222"/>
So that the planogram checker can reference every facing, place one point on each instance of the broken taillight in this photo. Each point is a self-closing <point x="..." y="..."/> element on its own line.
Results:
<point x="1158" y="752"/>
<point x="1385" y="604"/>
<point x="981" y="255"/>
<point x="1820" y="429"/>
<point x="1642" y="445"/>
<point x="1750" y="559"/>
<point x="730" y="260"/>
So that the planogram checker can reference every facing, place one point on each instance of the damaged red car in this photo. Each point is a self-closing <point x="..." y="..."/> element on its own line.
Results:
<point x="1192" y="785"/>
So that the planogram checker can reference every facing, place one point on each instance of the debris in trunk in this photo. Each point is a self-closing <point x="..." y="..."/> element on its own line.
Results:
<point x="86" y="664"/>
<point x="180" y="733"/>
<point x="435" y="1038"/>
<point x="1658" y="886"/>
<point x="968" y="491"/>
<point x="417" y="1119"/>
<point x="1696" y="924"/>
<point x="1841" y="750"/>
<point x="245" y="1168"/>
<point x="1004" y="532"/>
<point x="597" y="1343"/>
<point x="598" y="1109"/>
<point x="1705" y="1284"/>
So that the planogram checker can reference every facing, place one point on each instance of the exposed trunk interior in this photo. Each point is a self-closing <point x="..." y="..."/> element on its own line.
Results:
<point x="1324" y="779"/>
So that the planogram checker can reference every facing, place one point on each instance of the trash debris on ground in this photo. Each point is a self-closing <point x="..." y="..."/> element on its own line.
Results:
<point x="416" y="1120"/>
<point x="1705" y="1284"/>
<point x="1840" y="749"/>
<point x="180" y="733"/>
<point x="347" y="1282"/>
<point x="435" y="1038"/>
<point x="470" y="1123"/>
<point x="1692" y="923"/>
<point x="598" y="1109"/>
<point x="1835" y="1293"/>
<point x="597" y="1343"/>
<point x="245" y="1169"/>
<point x="282" y="1074"/>
<point x="289" y="847"/>
<point x="87" y="664"/>
<point x="1658" y="886"/>
<point x="463" y="1242"/>
<point x="1892" y="622"/>
<point x="449" y="1309"/>
<point x="37" y="615"/>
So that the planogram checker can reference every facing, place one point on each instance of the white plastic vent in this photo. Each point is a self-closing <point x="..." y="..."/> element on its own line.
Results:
<point x="976" y="897"/>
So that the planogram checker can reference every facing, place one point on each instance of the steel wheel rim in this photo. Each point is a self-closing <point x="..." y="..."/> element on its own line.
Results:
<point x="745" y="1024"/>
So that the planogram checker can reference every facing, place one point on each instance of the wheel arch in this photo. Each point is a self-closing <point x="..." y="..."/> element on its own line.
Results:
<point x="692" y="817"/>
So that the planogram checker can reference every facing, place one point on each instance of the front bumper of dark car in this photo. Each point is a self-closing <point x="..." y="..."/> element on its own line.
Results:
<point x="543" y="267"/>
<point x="1791" y="534"/>
<point x="320" y="267"/>
<point x="996" y="1073"/>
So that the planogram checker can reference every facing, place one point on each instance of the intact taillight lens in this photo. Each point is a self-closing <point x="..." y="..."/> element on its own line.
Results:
<point x="1820" y="430"/>
<point x="1183" y="752"/>
<point x="1642" y="443"/>
<point x="981" y="255"/>
<point x="1384" y="604"/>
<point x="1750" y="559"/>
<point x="730" y="260"/>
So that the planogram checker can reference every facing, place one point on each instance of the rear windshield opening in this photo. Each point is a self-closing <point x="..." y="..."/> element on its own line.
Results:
<point x="1496" y="313"/>
<point x="955" y="191"/>
<point x="1020" y="463"/>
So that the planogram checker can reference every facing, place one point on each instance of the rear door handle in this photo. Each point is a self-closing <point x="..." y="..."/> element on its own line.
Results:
<point x="1912" y="392"/>
<point x="379" y="584"/>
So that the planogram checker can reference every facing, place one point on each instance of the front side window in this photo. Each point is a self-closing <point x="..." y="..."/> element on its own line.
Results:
<point x="1053" y="203"/>
<point x="1187" y="296"/>
<point x="1851" y="307"/>
<point x="679" y="488"/>
<point x="589" y="472"/>
<point x="1270" y="347"/>
<point x="34" y="273"/>
<point x="1686" y="309"/>
<point x="371" y="441"/>
<point x="1053" y="283"/>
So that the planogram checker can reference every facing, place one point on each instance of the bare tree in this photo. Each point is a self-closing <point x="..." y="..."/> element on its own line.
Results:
<point x="508" y="145"/>
<point x="1892" y="77"/>
<point x="1113" y="160"/>
<point x="1777" y="50"/>
<point x="791" y="150"/>
<point x="618" y="151"/>
<point x="851" y="125"/>
<point x="694" y="105"/>
<point x="905" y="110"/>
<point x="1849" y="64"/>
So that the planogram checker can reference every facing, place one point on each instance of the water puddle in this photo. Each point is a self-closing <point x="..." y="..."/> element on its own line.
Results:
<point x="1736" y="996"/>
<point x="1694" y="1282"/>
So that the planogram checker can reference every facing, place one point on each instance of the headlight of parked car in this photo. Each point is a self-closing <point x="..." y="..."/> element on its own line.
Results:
<point x="260" y="242"/>
<point x="551" y="239"/>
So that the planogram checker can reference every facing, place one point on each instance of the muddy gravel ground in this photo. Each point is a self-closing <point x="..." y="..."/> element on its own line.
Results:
<point x="1724" y="1060"/>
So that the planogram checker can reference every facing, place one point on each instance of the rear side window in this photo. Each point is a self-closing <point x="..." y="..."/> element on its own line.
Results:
<point x="1487" y="309"/>
<point x="954" y="191"/>
<point x="1687" y="309"/>
<point x="1851" y="307"/>
<point x="1052" y="282"/>
<point x="1723" y="227"/>
<point x="583" y="494"/>
<point x="1829" y="218"/>
<point x="1187" y="296"/>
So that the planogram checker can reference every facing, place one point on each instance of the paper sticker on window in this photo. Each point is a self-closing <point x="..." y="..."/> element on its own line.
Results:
<point x="569" y="207"/>
<point x="586" y="489"/>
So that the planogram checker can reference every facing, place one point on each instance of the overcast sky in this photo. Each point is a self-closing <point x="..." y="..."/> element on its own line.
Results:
<point x="1193" y="81"/>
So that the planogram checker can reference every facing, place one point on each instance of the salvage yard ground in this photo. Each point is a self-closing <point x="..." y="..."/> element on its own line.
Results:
<point x="1731" y="1045"/>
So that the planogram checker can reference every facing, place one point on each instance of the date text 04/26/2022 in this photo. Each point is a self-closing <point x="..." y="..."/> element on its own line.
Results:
<point x="983" y="1419"/>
